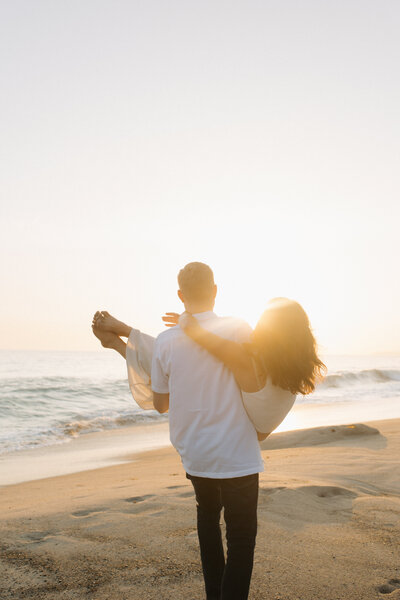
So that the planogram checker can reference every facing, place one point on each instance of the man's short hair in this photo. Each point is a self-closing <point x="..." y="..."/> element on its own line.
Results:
<point x="196" y="282"/>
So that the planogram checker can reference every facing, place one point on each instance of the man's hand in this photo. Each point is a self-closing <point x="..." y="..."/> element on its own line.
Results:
<point x="161" y="402"/>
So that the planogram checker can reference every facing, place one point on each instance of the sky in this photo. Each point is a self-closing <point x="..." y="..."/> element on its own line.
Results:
<point x="260" y="137"/>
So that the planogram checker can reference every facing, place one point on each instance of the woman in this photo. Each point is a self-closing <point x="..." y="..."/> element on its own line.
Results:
<point x="279" y="362"/>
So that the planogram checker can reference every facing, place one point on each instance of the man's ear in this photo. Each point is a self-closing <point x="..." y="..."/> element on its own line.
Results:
<point x="215" y="290"/>
<point x="180" y="295"/>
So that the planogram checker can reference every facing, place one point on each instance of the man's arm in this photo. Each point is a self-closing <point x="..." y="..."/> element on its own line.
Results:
<point x="161" y="402"/>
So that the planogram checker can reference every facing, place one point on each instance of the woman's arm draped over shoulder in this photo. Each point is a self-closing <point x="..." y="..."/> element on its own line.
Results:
<point x="232" y="354"/>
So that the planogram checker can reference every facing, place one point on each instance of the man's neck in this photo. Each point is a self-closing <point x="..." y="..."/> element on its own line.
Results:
<point x="198" y="308"/>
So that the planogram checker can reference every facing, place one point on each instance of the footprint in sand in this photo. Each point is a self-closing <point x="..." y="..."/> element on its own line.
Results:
<point x="36" y="536"/>
<point x="268" y="491"/>
<point x="321" y="491"/>
<point x="136" y="499"/>
<point x="186" y="494"/>
<point x="89" y="512"/>
<point x="328" y="491"/>
<point x="389" y="587"/>
<point x="174" y="487"/>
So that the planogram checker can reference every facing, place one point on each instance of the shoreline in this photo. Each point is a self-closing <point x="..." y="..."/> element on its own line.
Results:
<point x="84" y="453"/>
<point x="97" y="450"/>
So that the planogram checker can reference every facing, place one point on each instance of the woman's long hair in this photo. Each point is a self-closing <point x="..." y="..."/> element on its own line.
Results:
<point x="284" y="342"/>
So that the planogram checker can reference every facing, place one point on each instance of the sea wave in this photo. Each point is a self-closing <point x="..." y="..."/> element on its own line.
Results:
<point x="75" y="428"/>
<point x="68" y="385"/>
<point x="63" y="432"/>
<point x="368" y="376"/>
<point x="49" y="408"/>
<point x="41" y="411"/>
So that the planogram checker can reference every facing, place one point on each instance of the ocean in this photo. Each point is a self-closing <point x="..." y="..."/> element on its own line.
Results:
<point x="49" y="398"/>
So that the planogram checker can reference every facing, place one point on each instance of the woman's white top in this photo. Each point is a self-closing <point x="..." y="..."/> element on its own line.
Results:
<point x="139" y="354"/>
<point x="268" y="407"/>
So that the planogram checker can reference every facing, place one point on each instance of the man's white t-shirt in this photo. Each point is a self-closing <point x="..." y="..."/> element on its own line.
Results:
<point x="209" y="426"/>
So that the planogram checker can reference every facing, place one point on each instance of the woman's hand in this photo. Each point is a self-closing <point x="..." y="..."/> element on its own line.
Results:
<point x="171" y="319"/>
<point x="187" y="322"/>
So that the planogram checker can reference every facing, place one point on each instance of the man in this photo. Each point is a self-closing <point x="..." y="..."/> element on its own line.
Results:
<point x="211" y="431"/>
<point x="216" y="441"/>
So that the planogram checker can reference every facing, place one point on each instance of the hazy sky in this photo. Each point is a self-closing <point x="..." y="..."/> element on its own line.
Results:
<point x="261" y="137"/>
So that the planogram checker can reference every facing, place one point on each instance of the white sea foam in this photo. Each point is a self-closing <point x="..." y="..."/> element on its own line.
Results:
<point x="365" y="377"/>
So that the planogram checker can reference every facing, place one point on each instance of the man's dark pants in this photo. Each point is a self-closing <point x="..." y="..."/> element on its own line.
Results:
<point x="238" y="496"/>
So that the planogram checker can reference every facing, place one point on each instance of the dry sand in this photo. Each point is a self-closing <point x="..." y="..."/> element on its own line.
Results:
<point x="329" y="526"/>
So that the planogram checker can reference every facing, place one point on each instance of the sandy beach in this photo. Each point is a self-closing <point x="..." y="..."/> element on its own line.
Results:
<point x="329" y="526"/>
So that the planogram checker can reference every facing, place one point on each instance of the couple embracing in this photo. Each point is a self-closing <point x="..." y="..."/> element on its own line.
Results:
<point x="225" y="387"/>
